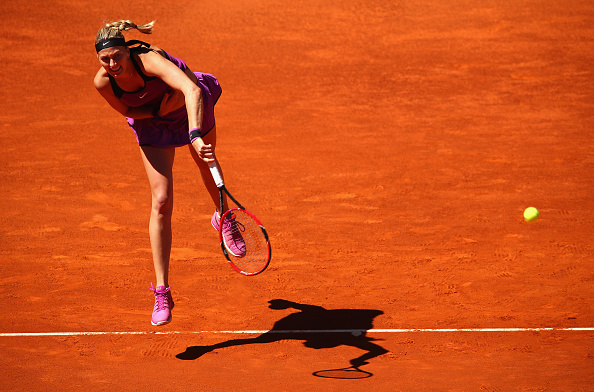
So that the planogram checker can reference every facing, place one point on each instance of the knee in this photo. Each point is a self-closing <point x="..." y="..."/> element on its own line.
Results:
<point x="162" y="203"/>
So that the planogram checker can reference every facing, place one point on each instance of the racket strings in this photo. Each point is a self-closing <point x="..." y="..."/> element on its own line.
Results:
<point x="238" y="227"/>
<point x="245" y="241"/>
<point x="344" y="373"/>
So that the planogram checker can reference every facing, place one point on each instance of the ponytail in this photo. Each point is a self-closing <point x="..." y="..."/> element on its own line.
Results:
<point x="114" y="29"/>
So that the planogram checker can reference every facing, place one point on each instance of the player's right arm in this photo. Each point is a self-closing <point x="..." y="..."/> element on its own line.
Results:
<point x="104" y="87"/>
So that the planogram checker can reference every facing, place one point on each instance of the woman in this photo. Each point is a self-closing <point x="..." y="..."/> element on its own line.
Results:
<point x="167" y="106"/>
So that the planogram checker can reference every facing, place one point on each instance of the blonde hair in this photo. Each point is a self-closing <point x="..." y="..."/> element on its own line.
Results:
<point x="114" y="29"/>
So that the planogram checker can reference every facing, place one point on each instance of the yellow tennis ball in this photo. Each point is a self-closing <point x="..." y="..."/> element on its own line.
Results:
<point x="531" y="214"/>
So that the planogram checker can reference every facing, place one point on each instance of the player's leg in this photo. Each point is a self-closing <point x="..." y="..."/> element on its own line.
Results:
<point x="158" y="163"/>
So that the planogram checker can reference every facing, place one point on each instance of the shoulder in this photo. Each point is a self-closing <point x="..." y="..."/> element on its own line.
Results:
<point x="152" y="61"/>
<point x="101" y="80"/>
<point x="149" y="55"/>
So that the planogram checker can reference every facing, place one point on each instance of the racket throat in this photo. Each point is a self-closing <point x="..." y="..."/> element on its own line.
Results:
<point x="222" y="203"/>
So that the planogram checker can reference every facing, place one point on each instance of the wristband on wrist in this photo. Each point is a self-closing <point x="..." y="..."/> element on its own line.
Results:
<point x="195" y="133"/>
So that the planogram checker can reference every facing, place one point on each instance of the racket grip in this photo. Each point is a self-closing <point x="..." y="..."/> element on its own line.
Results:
<point x="216" y="174"/>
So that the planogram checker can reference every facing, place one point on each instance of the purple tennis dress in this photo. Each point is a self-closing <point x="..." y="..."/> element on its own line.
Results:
<point x="170" y="130"/>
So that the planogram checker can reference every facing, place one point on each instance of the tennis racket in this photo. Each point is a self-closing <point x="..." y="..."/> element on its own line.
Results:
<point x="243" y="238"/>
<point x="351" y="372"/>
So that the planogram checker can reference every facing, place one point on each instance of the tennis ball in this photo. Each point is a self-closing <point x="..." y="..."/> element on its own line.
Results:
<point x="531" y="214"/>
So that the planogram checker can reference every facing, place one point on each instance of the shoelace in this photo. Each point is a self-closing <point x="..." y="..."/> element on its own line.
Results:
<point x="236" y="228"/>
<point x="161" y="299"/>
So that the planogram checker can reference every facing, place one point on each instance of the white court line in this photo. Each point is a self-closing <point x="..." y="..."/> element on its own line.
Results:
<point x="298" y="331"/>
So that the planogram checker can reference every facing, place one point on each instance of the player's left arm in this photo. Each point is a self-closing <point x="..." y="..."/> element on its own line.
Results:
<point x="184" y="82"/>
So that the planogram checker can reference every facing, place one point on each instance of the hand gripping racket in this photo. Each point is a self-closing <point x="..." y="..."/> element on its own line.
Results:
<point x="243" y="238"/>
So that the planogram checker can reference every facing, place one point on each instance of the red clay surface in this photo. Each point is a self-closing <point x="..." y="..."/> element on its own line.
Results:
<point x="390" y="149"/>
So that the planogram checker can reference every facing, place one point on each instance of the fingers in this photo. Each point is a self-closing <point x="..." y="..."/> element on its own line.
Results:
<point x="206" y="153"/>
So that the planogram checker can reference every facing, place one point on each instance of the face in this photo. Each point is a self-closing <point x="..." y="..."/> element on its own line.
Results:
<point x="115" y="60"/>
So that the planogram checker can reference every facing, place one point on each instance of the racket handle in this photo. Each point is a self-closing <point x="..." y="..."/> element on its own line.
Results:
<point x="216" y="174"/>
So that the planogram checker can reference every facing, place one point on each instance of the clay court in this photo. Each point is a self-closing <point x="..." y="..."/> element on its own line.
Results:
<point x="390" y="148"/>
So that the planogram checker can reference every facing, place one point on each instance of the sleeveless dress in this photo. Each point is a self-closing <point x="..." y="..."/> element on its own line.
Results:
<point x="170" y="130"/>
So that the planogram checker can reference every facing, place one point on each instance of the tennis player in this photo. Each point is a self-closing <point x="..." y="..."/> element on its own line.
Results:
<point x="167" y="106"/>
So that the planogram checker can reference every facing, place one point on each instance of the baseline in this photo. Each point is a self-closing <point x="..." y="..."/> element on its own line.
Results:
<point x="352" y="331"/>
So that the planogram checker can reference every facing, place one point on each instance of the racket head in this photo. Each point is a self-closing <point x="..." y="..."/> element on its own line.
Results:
<point x="244" y="242"/>
<point x="348" y="373"/>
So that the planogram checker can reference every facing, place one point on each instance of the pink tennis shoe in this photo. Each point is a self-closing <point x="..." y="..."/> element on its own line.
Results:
<point x="163" y="305"/>
<point x="231" y="234"/>
<point x="215" y="221"/>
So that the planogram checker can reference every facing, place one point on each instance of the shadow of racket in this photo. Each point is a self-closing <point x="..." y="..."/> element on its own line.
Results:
<point x="347" y="373"/>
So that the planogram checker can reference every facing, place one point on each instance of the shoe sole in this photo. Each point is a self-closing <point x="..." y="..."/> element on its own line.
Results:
<point x="166" y="321"/>
<point x="230" y="251"/>
<point x="213" y="222"/>
<point x="162" y="322"/>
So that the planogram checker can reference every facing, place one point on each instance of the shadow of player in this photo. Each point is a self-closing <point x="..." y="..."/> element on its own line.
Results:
<point x="336" y="327"/>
